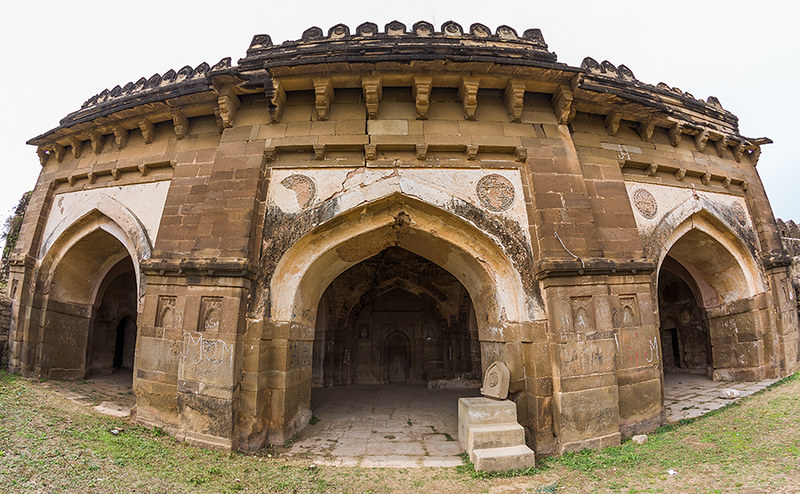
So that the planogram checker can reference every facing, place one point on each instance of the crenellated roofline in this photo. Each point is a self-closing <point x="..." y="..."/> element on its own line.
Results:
<point x="421" y="58"/>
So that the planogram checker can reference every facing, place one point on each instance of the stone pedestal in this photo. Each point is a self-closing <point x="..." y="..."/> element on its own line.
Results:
<point x="489" y="432"/>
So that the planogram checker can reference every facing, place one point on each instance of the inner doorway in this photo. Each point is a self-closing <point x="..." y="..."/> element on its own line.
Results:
<point x="113" y="333"/>
<point x="684" y="331"/>
<point x="396" y="344"/>
<point x="395" y="317"/>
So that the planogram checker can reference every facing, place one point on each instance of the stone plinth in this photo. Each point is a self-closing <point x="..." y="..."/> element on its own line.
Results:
<point x="489" y="432"/>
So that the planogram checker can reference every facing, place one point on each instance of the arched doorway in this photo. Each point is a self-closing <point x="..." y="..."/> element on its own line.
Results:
<point x="90" y="307"/>
<point x="395" y="317"/>
<point x="504" y="297"/>
<point x="685" y="340"/>
<point x="113" y="332"/>
<point x="708" y="287"/>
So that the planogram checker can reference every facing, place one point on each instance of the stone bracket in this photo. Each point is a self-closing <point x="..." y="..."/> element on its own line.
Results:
<point x="422" y="95"/>
<point x="721" y="144"/>
<point x="515" y="99"/>
<point x="646" y="128"/>
<point x="180" y="123"/>
<point x="148" y="130"/>
<point x="277" y="100"/>
<point x="58" y="151"/>
<point x="76" y="145"/>
<point x="562" y="105"/>
<point x="323" y="96"/>
<point x="701" y="139"/>
<point x="228" y="105"/>
<point x="373" y="92"/>
<point x="97" y="141"/>
<point x="120" y="136"/>
<point x="468" y="94"/>
<point x="612" y="121"/>
<point x="675" y="133"/>
<point x="42" y="154"/>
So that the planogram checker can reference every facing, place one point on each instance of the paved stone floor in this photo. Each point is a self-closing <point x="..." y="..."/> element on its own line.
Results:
<point x="691" y="395"/>
<point x="110" y="394"/>
<point x="389" y="425"/>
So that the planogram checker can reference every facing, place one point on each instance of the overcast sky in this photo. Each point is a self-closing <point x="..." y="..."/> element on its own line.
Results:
<point x="56" y="54"/>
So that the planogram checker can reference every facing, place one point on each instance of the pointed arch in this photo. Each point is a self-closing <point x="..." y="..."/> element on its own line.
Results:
<point x="720" y="259"/>
<point x="107" y="216"/>
<point x="443" y="238"/>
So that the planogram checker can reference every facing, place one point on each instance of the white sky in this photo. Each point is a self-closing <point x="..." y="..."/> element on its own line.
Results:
<point x="56" y="54"/>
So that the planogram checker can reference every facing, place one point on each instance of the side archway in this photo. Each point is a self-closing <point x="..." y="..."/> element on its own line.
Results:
<point x="88" y="281"/>
<point x="710" y="292"/>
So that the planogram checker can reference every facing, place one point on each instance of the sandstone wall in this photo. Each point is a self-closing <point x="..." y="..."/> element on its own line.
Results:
<point x="790" y="236"/>
<point x="5" y="322"/>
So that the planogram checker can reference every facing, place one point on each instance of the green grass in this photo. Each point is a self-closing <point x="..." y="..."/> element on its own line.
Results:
<point x="50" y="444"/>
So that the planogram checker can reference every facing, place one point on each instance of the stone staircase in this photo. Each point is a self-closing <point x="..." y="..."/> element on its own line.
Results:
<point x="489" y="432"/>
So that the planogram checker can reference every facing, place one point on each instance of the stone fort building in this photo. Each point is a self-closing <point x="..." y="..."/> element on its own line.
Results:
<point x="400" y="205"/>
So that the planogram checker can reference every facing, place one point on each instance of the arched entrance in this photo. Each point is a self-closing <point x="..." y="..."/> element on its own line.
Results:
<point x="502" y="302"/>
<point x="708" y="301"/>
<point x="685" y="340"/>
<point x="89" y="311"/>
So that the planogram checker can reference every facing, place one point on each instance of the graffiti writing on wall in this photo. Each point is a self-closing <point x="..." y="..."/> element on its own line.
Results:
<point x="637" y="350"/>
<point x="198" y="349"/>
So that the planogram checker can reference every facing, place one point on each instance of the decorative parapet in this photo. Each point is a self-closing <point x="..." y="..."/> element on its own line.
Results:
<point x="599" y="88"/>
<point x="397" y="43"/>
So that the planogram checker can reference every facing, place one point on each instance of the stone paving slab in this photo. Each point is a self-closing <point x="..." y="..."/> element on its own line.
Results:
<point x="688" y="396"/>
<point x="393" y="425"/>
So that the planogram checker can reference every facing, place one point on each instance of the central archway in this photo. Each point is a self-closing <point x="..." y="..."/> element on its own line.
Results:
<point x="502" y="303"/>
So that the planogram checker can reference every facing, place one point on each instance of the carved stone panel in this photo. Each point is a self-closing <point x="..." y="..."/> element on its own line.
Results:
<point x="628" y="313"/>
<point x="495" y="192"/>
<point x="166" y="315"/>
<point x="210" y="314"/>
<point x="645" y="203"/>
<point x="496" y="380"/>
<point x="581" y="314"/>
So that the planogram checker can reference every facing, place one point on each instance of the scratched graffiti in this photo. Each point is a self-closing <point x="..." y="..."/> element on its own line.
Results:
<point x="588" y="357"/>
<point x="634" y="349"/>
<point x="623" y="153"/>
<point x="197" y="349"/>
<point x="68" y="338"/>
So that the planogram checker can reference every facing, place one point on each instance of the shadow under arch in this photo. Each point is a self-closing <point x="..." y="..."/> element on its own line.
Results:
<point x="723" y="277"/>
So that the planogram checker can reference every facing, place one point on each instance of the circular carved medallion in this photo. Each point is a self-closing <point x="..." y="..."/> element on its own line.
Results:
<point x="645" y="203"/>
<point x="495" y="192"/>
<point x="739" y="213"/>
<point x="303" y="187"/>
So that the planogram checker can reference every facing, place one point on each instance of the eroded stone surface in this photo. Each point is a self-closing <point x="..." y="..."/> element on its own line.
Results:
<point x="445" y="199"/>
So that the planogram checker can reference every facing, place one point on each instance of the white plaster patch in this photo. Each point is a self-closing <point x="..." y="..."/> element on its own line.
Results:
<point x="387" y="127"/>
<point x="624" y="151"/>
<point x="354" y="187"/>
<point x="669" y="198"/>
<point x="144" y="201"/>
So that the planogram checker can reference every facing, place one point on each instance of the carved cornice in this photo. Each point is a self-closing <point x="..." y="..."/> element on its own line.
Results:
<point x="591" y="267"/>
<point x="502" y="59"/>
<point x="229" y="267"/>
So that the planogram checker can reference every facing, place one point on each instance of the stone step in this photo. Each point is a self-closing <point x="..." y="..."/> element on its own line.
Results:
<point x="499" y="459"/>
<point x="494" y="436"/>
<point x="483" y="411"/>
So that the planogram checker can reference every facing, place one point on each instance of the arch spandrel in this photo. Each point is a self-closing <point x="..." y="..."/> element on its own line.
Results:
<point x="708" y="249"/>
<point x="109" y="219"/>
<point x="445" y="239"/>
